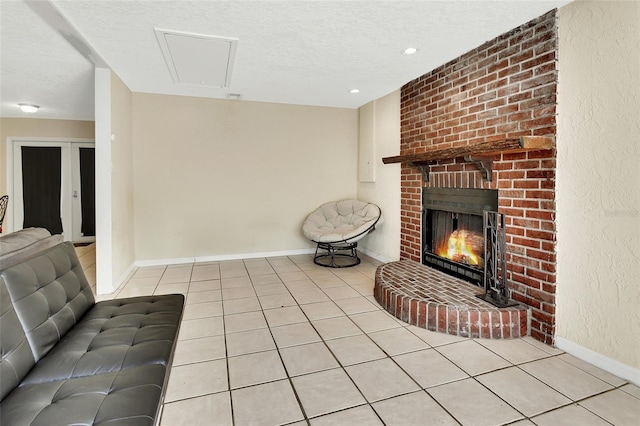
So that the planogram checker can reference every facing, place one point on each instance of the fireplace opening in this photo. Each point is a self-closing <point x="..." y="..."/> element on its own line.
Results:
<point x="452" y="230"/>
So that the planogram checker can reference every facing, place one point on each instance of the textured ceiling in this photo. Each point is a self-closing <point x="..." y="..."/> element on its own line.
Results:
<point x="297" y="52"/>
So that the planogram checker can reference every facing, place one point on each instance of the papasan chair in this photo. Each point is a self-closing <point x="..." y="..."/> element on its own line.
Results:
<point x="336" y="227"/>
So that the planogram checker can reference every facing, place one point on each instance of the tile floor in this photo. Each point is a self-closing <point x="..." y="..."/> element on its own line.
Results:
<point x="282" y="341"/>
<point x="87" y="256"/>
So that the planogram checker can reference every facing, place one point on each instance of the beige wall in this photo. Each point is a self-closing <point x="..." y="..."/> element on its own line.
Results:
<point x="34" y="127"/>
<point x="220" y="178"/>
<point x="122" y="227"/>
<point x="598" y="181"/>
<point x="380" y="134"/>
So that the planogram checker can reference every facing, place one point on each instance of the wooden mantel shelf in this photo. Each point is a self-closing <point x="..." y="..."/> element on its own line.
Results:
<point x="486" y="149"/>
<point x="481" y="153"/>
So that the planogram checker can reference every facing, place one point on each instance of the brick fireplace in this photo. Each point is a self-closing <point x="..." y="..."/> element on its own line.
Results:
<point x="504" y="89"/>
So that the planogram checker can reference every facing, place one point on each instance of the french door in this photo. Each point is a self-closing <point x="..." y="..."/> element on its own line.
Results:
<point x="54" y="187"/>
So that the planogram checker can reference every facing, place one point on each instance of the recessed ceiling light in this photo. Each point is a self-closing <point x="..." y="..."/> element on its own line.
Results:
<point x="354" y="91"/>
<point x="409" y="51"/>
<point x="29" y="108"/>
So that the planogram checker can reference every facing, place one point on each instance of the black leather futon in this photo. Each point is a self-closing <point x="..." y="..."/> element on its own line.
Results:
<point x="67" y="360"/>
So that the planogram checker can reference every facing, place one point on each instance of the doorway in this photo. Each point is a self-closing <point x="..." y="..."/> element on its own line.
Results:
<point x="53" y="187"/>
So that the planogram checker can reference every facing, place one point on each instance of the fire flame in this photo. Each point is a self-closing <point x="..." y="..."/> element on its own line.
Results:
<point x="459" y="249"/>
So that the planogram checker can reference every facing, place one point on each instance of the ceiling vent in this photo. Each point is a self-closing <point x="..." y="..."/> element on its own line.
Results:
<point x="196" y="59"/>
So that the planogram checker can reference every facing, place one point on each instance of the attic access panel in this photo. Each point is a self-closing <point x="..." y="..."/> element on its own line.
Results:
<point x="197" y="59"/>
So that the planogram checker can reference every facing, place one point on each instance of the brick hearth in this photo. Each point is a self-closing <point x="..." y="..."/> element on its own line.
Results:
<point x="504" y="89"/>
<point x="427" y="298"/>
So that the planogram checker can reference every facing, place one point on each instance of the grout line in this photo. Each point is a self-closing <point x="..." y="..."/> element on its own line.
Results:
<point x="226" y="348"/>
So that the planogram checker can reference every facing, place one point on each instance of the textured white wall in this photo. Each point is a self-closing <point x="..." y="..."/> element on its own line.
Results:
<point x="380" y="121"/>
<point x="598" y="179"/>
<point x="222" y="178"/>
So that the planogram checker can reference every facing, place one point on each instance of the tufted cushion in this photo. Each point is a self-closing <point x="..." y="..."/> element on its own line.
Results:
<point x="128" y="397"/>
<point x="341" y="221"/>
<point x="17" y="358"/>
<point x="115" y="334"/>
<point x="50" y="293"/>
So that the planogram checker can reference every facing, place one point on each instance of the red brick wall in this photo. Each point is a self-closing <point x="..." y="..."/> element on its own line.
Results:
<point x="502" y="89"/>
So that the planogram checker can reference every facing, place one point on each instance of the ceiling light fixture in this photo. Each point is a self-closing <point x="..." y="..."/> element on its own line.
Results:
<point x="409" y="51"/>
<point x="29" y="108"/>
<point x="354" y="91"/>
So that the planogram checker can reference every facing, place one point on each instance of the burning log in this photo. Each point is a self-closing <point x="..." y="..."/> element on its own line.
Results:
<point x="464" y="247"/>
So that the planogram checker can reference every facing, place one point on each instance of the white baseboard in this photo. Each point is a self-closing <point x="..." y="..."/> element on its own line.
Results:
<point x="222" y="257"/>
<point x="610" y="365"/>
<point x="374" y="255"/>
<point x="162" y="262"/>
<point x="126" y="275"/>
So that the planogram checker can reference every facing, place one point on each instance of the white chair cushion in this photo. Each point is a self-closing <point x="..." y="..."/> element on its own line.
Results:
<point x="341" y="221"/>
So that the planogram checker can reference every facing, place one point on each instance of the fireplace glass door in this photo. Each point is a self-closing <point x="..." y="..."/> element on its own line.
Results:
<point x="452" y="230"/>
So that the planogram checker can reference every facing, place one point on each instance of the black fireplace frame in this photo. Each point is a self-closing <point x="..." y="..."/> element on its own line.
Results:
<point x="469" y="201"/>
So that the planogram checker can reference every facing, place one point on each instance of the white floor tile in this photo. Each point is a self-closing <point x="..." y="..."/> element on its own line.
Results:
<point x="326" y="391"/>
<point x="337" y="293"/>
<point x="593" y="370"/>
<point x="198" y="350"/>
<point x="381" y="379"/>
<point x="397" y="341"/>
<point x="206" y="285"/>
<point x="358" y="416"/>
<point x="317" y="311"/>
<point x="412" y="409"/>
<point x="434" y="338"/>
<point x="262" y="279"/>
<point x="356" y="305"/>
<point x="189" y="412"/>
<point x="202" y="310"/>
<point x="203" y="327"/>
<point x="294" y="334"/>
<point x="276" y="300"/>
<point x="509" y="383"/>
<point x="204" y="296"/>
<point x="429" y="368"/>
<point x="205" y="272"/>
<point x="275" y="288"/>
<point x="516" y="351"/>
<point x="236" y="282"/>
<point x="370" y="322"/>
<point x="472" y="357"/>
<point x="472" y="404"/>
<point x="256" y="368"/>
<point x="192" y="380"/>
<point x="243" y="322"/>
<point x="238" y="306"/>
<point x="565" y="378"/>
<point x="355" y="349"/>
<point x="284" y="316"/>
<point x="176" y="288"/>
<point x="266" y="405"/>
<point x="309" y="296"/>
<point x="334" y="328"/>
<point x="305" y="359"/>
<point x="570" y="415"/>
<point x="617" y="407"/>
<point x="250" y="341"/>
